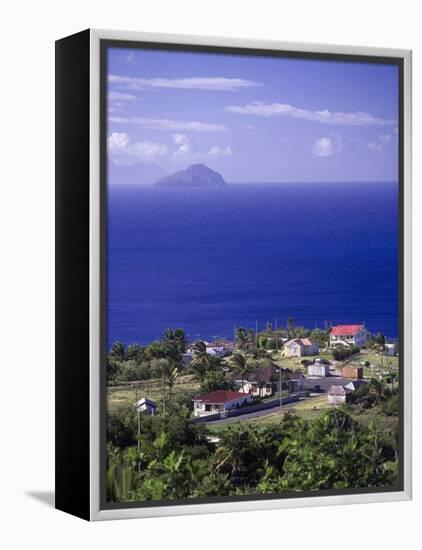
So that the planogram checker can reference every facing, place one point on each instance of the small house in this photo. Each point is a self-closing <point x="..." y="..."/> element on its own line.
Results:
<point x="352" y="371"/>
<point x="219" y="401"/>
<point x="390" y="350"/>
<point x="319" y="369"/>
<point x="146" y="406"/>
<point x="300" y="347"/>
<point x="292" y="381"/>
<point x="338" y="395"/>
<point x="261" y="381"/>
<point x="264" y="381"/>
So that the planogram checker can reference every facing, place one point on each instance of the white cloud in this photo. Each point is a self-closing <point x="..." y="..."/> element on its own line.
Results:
<point x="118" y="96"/>
<point x="385" y="138"/>
<point x="327" y="146"/>
<point x="117" y="141"/>
<point x="124" y="151"/>
<point x="258" y="108"/>
<point x="216" y="152"/>
<point x="375" y="146"/>
<point x="216" y="83"/>
<point x="171" y="125"/>
<point x="185" y="151"/>
<point x="380" y="144"/>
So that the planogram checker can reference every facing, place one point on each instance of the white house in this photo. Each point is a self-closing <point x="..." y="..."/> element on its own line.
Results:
<point x="390" y="350"/>
<point x="216" y="349"/>
<point x="348" y="335"/>
<point x="338" y="395"/>
<point x="318" y="369"/>
<point x="219" y="401"/>
<point x="299" y="347"/>
<point x="146" y="406"/>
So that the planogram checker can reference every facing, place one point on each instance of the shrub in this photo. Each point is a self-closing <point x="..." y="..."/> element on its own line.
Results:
<point x="342" y="352"/>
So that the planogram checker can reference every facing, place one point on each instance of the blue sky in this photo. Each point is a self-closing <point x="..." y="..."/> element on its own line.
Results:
<point x="253" y="119"/>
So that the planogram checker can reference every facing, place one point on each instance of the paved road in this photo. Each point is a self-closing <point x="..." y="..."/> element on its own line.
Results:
<point x="255" y="414"/>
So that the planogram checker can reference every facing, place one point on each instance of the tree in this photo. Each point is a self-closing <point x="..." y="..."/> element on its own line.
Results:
<point x="117" y="352"/>
<point x="216" y="380"/>
<point x="121" y="428"/>
<point x="177" y="338"/>
<point x="236" y="453"/>
<point x="341" y="352"/>
<point x="199" y="363"/>
<point x="245" y="339"/>
<point x="112" y="369"/>
<point x="319" y="335"/>
<point x="336" y="452"/>
<point x="167" y="371"/>
<point x="136" y="353"/>
<point x="208" y="369"/>
<point x="240" y="365"/>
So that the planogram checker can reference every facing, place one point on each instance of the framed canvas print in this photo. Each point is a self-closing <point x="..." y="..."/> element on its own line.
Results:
<point x="233" y="275"/>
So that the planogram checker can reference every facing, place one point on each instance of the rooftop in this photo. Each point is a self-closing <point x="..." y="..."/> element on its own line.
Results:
<point x="220" y="396"/>
<point x="338" y="390"/>
<point x="346" y="330"/>
<point x="303" y="341"/>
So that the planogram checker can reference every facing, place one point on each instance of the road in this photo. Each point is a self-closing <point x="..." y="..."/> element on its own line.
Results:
<point x="255" y="414"/>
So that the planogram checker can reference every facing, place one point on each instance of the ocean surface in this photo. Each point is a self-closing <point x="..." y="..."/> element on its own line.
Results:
<point x="209" y="260"/>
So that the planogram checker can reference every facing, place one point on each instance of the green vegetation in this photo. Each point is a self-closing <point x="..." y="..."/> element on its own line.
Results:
<point x="341" y="352"/>
<point x="177" y="460"/>
<point x="308" y="445"/>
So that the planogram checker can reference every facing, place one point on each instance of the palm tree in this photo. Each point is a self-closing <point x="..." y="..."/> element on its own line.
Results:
<point x="166" y="370"/>
<point x="177" y="337"/>
<point x="118" y="352"/>
<point x="236" y="452"/>
<point x="245" y="339"/>
<point x="199" y="363"/>
<point x="240" y="364"/>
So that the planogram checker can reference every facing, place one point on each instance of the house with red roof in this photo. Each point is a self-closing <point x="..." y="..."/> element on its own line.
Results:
<point x="219" y="401"/>
<point x="348" y="335"/>
<point x="299" y="347"/>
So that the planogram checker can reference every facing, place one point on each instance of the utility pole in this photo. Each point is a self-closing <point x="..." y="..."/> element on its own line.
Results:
<point x="139" y="439"/>
<point x="164" y="395"/>
<point x="276" y="336"/>
<point x="281" y="399"/>
<point x="256" y="334"/>
<point x="138" y="411"/>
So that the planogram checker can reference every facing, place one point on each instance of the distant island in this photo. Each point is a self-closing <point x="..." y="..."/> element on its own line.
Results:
<point x="195" y="176"/>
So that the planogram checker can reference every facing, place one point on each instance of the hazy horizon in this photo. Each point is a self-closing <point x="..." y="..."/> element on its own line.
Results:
<point x="253" y="118"/>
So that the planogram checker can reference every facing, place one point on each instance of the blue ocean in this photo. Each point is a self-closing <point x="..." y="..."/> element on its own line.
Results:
<point x="209" y="260"/>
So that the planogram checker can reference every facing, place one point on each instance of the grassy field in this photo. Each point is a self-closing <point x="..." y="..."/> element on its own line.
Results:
<point x="379" y="362"/>
<point x="314" y="407"/>
<point x="294" y="363"/>
<point x="124" y="396"/>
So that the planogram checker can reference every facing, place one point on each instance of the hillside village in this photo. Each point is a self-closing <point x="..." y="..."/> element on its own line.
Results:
<point x="258" y="372"/>
<point x="179" y="405"/>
